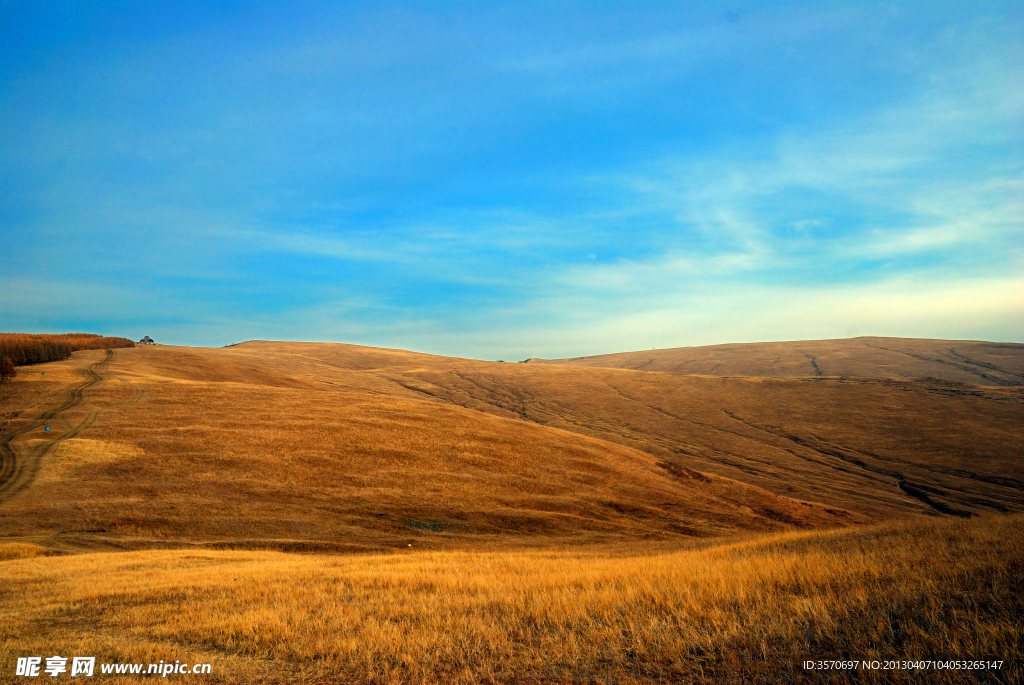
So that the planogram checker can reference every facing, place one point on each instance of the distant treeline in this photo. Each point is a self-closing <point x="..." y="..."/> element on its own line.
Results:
<point x="21" y="349"/>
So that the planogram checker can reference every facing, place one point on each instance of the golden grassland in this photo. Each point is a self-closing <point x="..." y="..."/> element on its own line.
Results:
<point x="468" y="521"/>
<point x="750" y="610"/>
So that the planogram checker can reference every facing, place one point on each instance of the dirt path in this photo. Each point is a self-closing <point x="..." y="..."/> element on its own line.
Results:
<point x="17" y="471"/>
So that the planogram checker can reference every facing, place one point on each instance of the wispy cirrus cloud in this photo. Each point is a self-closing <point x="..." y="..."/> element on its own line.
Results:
<point x="927" y="173"/>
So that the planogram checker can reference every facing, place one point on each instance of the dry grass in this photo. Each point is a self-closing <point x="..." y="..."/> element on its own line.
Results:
<point x="217" y="447"/>
<point x="961" y="361"/>
<point x="845" y="442"/>
<point x="750" y="610"/>
<point x="20" y="550"/>
<point x="552" y="523"/>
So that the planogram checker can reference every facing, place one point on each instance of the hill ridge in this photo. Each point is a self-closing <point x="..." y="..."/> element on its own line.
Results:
<point x="966" y="361"/>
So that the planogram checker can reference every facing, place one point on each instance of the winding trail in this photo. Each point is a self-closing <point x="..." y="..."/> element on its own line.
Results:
<point x="17" y="471"/>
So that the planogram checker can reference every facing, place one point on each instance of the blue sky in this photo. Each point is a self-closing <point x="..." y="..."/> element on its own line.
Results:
<point x="515" y="180"/>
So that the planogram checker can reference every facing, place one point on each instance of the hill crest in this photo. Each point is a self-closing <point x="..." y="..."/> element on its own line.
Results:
<point x="961" y="361"/>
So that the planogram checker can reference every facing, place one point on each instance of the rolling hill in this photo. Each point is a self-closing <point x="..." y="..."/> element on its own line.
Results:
<point x="321" y="513"/>
<point x="960" y="361"/>
<point x="876" y="446"/>
<point x="268" y="445"/>
<point x="325" y="446"/>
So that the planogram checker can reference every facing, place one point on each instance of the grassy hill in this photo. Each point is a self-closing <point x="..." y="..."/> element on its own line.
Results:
<point x="323" y="446"/>
<point x="261" y="446"/>
<point x="876" y="446"/>
<point x="960" y="361"/>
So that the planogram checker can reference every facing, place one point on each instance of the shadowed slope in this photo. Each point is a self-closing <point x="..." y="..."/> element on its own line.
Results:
<point x="962" y="361"/>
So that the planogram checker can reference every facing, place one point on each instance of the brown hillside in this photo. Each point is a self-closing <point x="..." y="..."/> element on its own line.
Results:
<point x="961" y="361"/>
<point x="269" y="445"/>
<point x="881" y="447"/>
<point x="304" y="445"/>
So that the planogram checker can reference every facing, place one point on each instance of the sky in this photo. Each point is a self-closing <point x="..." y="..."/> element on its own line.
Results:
<point x="503" y="181"/>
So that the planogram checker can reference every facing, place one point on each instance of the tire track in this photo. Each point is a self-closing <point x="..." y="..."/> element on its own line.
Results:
<point x="18" y="472"/>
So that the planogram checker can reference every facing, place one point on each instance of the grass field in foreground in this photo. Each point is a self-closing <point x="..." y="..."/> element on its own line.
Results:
<point x="751" y="610"/>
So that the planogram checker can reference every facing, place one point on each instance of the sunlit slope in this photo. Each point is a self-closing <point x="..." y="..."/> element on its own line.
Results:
<point x="962" y="361"/>
<point x="881" y="447"/>
<point x="241" y="448"/>
<point x="749" y="611"/>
